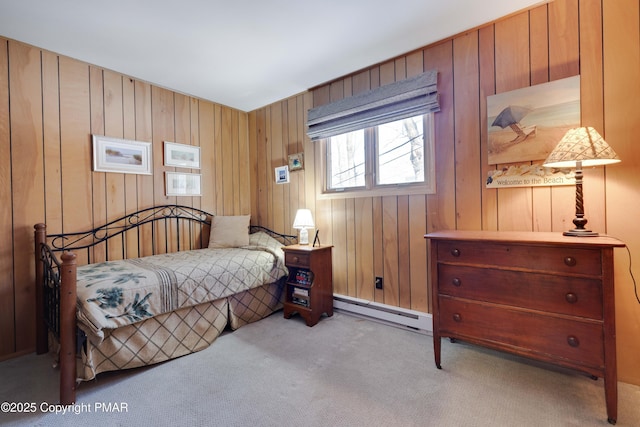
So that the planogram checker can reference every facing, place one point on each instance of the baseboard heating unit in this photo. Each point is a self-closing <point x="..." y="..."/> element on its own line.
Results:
<point x="394" y="316"/>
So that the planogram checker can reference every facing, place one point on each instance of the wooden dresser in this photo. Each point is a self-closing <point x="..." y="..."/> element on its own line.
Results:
<point x="539" y="295"/>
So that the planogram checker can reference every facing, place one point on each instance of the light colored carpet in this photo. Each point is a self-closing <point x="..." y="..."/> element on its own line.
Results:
<point x="345" y="371"/>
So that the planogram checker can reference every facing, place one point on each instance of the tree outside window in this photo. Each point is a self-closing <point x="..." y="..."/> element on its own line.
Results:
<point x="390" y="155"/>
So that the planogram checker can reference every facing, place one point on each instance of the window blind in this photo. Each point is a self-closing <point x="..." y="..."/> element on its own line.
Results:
<point x="395" y="101"/>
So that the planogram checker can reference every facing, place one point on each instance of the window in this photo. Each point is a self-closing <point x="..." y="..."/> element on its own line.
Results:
<point x="395" y="157"/>
<point x="346" y="161"/>
<point x="400" y="147"/>
<point x="380" y="141"/>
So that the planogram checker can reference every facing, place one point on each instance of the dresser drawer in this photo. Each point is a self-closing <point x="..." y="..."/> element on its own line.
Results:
<point x="570" y="295"/>
<point x="296" y="259"/>
<point x="541" y="258"/>
<point x="547" y="336"/>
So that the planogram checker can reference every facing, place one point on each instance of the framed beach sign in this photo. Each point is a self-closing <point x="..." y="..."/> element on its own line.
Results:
<point x="181" y="155"/>
<point x="121" y="155"/>
<point x="183" y="184"/>
<point x="524" y="126"/>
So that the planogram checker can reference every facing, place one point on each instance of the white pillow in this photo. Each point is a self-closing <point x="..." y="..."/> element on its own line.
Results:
<point x="229" y="231"/>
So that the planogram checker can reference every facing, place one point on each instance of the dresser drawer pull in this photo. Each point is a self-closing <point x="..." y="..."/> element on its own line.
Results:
<point x="296" y="259"/>
<point x="570" y="261"/>
<point x="456" y="281"/>
<point x="571" y="298"/>
<point x="455" y="252"/>
<point x="457" y="317"/>
<point x="573" y="341"/>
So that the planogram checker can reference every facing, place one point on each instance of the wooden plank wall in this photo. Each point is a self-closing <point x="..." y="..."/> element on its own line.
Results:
<point x="49" y="107"/>
<point x="621" y="99"/>
<point x="383" y="236"/>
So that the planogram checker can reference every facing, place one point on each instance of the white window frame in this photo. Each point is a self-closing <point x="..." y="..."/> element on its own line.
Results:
<point x="372" y="189"/>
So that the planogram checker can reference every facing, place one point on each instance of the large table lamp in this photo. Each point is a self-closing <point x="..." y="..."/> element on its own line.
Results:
<point x="302" y="221"/>
<point x="581" y="147"/>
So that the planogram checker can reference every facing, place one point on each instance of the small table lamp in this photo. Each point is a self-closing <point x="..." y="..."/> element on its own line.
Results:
<point x="581" y="147"/>
<point x="303" y="220"/>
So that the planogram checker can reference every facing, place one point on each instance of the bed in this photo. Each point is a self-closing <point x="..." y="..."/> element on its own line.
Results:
<point x="151" y="286"/>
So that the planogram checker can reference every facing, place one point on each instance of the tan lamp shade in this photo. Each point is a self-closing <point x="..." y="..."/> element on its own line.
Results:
<point x="583" y="145"/>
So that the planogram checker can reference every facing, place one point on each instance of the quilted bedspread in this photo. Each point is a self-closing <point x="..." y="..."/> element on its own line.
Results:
<point x="118" y="293"/>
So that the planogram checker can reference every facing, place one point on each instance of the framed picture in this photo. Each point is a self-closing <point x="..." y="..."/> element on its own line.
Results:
<point x="182" y="184"/>
<point x="121" y="155"/>
<point x="296" y="161"/>
<point x="181" y="155"/>
<point x="282" y="174"/>
<point x="525" y="124"/>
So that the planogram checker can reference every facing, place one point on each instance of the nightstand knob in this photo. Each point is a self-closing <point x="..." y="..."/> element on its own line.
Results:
<point x="570" y="261"/>
<point x="573" y="341"/>
<point x="455" y="252"/>
<point x="571" y="298"/>
<point x="296" y="259"/>
<point x="456" y="281"/>
<point x="457" y="317"/>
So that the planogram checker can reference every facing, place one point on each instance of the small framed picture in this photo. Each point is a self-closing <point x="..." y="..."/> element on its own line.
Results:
<point x="181" y="155"/>
<point x="282" y="174"/>
<point x="121" y="155"/>
<point x="182" y="184"/>
<point x="296" y="161"/>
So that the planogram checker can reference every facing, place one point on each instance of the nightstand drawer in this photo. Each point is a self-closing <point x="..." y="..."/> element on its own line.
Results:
<point x="549" y="336"/>
<point x="539" y="258"/>
<point x="296" y="259"/>
<point x="570" y="295"/>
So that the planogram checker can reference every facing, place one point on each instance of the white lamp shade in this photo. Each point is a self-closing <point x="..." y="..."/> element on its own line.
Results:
<point x="303" y="219"/>
<point x="583" y="145"/>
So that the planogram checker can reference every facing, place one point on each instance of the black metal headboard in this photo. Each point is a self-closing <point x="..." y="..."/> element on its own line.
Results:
<point x="166" y="219"/>
<point x="166" y="215"/>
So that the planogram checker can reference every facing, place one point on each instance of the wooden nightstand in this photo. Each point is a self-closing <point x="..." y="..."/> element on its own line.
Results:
<point x="309" y="287"/>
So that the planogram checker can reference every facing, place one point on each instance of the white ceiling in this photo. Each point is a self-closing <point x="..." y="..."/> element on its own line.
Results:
<point x="241" y="53"/>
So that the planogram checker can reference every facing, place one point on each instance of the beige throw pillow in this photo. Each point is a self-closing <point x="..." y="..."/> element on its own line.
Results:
<point x="229" y="231"/>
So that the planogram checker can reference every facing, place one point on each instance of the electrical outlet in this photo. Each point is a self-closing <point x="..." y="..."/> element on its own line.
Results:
<point x="378" y="282"/>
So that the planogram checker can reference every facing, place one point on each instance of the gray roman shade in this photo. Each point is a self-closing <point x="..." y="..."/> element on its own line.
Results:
<point x="400" y="100"/>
